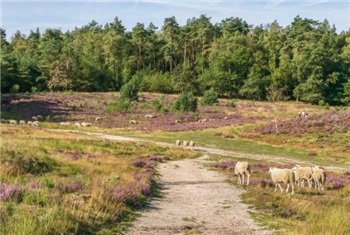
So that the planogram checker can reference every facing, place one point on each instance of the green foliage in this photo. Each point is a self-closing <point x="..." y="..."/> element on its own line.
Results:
<point x="308" y="59"/>
<point x="232" y="104"/>
<point x="129" y="92"/>
<point x="321" y="103"/>
<point x="186" y="102"/>
<point x="122" y="105"/>
<point x="210" y="97"/>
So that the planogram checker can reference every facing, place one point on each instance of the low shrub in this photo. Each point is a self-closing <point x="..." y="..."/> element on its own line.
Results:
<point x="210" y="97"/>
<point x="186" y="102"/>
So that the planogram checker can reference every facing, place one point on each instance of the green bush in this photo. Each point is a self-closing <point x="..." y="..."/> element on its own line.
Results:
<point x="129" y="91"/>
<point x="321" y="103"/>
<point x="123" y="105"/>
<point x="210" y="97"/>
<point x="186" y="102"/>
<point x="232" y="104"/>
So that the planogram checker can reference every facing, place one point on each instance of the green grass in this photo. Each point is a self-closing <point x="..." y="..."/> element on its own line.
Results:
<point x="62" y="182"/>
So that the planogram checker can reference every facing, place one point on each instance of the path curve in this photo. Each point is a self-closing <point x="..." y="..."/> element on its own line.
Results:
<point x="206" y="150"/>
<point x="196" y="200"/>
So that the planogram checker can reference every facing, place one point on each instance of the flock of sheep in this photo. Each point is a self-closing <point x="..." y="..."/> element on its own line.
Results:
<point x="296" y="175"/>
<point x="184" y="143"/>
<point x="34" y="123"/>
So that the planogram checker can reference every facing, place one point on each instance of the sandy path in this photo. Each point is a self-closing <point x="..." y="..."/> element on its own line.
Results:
<point x="195" y="200"/>
<point x="216" y="151"/>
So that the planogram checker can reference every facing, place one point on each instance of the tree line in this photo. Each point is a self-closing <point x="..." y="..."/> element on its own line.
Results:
<point x="307" y="59"/>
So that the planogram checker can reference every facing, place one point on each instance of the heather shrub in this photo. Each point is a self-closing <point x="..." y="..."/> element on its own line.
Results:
<point x="10" y="192"/>
<point x="186" y="102"/>
<point x="129" y="91"/>
<point x="210" y="97"/>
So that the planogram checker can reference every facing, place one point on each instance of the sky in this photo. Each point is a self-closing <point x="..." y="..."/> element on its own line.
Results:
<point x="27" y="15"/>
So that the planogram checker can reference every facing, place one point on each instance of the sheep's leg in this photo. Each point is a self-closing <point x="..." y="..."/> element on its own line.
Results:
<point x="243" y="178"/>
<point x="248" y="175"/>
<point x="309" y="181"/>
<point x="287" y="188"/>
<point x="292" y="189"/>
<point x="276" y="187"/>
<point x="239" y="179"/>
<point x="280" y="187"/>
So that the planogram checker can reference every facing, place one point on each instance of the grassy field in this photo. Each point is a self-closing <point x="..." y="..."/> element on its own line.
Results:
<point x="308" y="211"/>
<point x="66" y="180"/>
<point x="62" y="183"/>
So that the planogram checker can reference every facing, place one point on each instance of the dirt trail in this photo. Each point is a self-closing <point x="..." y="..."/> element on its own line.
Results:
<point x="268" y="158"/>
<point x="195" y="200"/>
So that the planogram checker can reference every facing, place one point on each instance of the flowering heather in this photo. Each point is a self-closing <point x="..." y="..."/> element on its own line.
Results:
<point x="34" y="185"/>
<point x="129" y="193"/>
<point x="259" y="167"/>
<point x="74" y="187"/>
<point x="337" y="183"/>
<point x="347" y="173"/>
<point x="225" y="165"/>
<point x="10" y="191"/>
<point x="156" y="158"/>
<point x="139" y="163"/>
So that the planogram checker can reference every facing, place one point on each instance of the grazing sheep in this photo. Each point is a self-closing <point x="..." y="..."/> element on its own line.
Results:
<point x="35" y="118"/>
<point x="77" y="124"/>
<point x="225" y="118"/>
<point x="35" y="124"/>
<point x="242" y="168"/>
<point x="178" y="142"/>
<point x="301" y="174"/>
<point x="282" y="176"/>
<point x="22" y="122"/>
<point x="133" y="122"/>
<point x="86" y="124"/>
<point x="199" y="120"/>
<point x="64" y="123"/>
<point x="98" y="119"/>
<point x="319" y="177"/>
<point x="149" y="116"/>
<point x="3" y="121"/>
<point x="39" y="117"/>
<point x="191" y="144"/>
<point x="185" y="143"/>
<point x="177" y="121"/>
<point x="12" y="122"/>
<point x="205" y="120"/>
<point x="29" y="123"/>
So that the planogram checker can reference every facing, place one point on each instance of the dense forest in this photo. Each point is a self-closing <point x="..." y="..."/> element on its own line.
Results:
<point x="307" y="59"/>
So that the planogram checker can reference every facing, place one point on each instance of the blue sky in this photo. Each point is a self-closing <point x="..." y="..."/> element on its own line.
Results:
<point x="26" y="15"/>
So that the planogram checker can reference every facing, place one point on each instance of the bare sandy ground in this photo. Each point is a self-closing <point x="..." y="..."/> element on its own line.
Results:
<point x="195" y="201"/>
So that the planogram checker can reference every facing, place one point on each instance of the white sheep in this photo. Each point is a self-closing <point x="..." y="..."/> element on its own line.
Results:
<point x="282" y="176"/>
<point x="29" y="123"/>
<point x="319" y="177"/>
<point x="77" y="124"/>
<point x="35" y="124"/>
<point x="177" y="121"/>
<point x="35" y="118"/>
<point x="178" y="142"/>
<point x="149" y="116"/>
<point x="12" y="122"/>
<point x="242" y="168"/>
<point x="3" y="121"/>
<point x="39" y="117"/>
<point x="191" y="144"/>
<point x="86" y="124"/>
<point x="133" y="122"/>
<point x="22" y="122"/>
<point x="65" y="123"/>
<point x="301" y="174"/>
<point x="98" y="119"/>
<point x="185" y="143"/>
